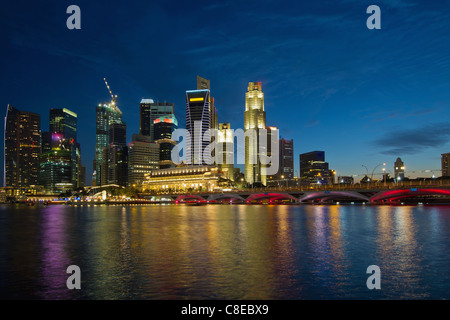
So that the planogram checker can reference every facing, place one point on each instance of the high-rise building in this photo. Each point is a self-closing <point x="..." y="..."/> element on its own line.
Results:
<point x="114" y="168"/>
<point x="143" y="157"/>
<point x="106" y="114"/>
<point x="314" y="169"/>
<point x="64" y="122"/>
<point x="149" y="111"/>
<point x="163" y="128"/>
<point x="22" y="148"/>
<point x="198" y="122"/>
<point x="272" y="135"/>
<point x="56" y="166"/>
<point x="225" y="150"/>
<point x="399" y="169"/>
<point x="254" y="119"/>
<point x="445" y="164"/>
<point x="286" y="162"/>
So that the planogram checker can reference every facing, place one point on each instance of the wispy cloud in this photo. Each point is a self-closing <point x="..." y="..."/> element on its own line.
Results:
<point x="413" y="141"/>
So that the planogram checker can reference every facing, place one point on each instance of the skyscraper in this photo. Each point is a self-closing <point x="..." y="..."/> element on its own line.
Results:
<point x="56" y="166"/>
<point x="314" y="169"/>
<point x="114" y="168"/>
<point x="198" y="122"/>
<point x="64" y="122"/>
<point x="107" y="114"/>
<point x="254" y="119"/>
<point x="149" y="111"/>
<point x="163" y="128"/>
<point x="22" y="148"/>
<point x="143" y="157"/>
<point x="286" y="159"/>
<point x="225" y="149"/>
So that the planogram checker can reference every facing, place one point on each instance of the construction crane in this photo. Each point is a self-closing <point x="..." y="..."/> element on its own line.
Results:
<point x="113" y="97"/>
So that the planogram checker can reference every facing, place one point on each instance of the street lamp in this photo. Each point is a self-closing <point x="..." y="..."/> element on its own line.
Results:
<point x="381" y="164"/>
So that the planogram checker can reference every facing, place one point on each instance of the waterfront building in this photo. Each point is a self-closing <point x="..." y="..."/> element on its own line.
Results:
<point x="399" y="170"/>
<point x="225" y="150"/>
<point x="56" y="169"/>
<point x="345" y="180"/>
<point x="286" y="163"/>
<point x="149" y="111"/>
<point x="272" y="134"/>
<point x="22" y="148"/>
<point x="63" y="123"/>
<point x="198" y="122"/>
<point x="254" y="118"/>
<point x="185" y="179"/>
<point x="314" y="169"/>
<point x="143" y="157"/>
<point x="285" y="174"/>
<point x="106" y="114"/>
<point x="163" y="128"/>
<point x="445" y="164"/>
<point x="114" y="168"/>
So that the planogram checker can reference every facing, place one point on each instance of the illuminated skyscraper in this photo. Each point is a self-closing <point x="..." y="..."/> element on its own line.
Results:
<point x="163" y="128"/>
<point x="143" y="158"/>
<point x="22" y="148"/>
<point x="254" y="118"/>
<point x="56" y="166"/>
<point x="225" y="149"/>
<point x="149" y="111"/>
<point x="198" y="121"/>
<point x="64" y="123"/>
<point x="107" y="114"/>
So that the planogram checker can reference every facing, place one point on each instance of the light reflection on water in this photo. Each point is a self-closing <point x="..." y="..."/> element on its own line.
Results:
<point x="224" y="252"/>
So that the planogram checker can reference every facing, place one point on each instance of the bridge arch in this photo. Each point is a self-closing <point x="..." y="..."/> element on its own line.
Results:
<point x="232" y="197"/>
<point x="189" y="198"/>
<point x="271" y="196"/>
<point x="392" y="195"/>
<point x="333" y="195"/>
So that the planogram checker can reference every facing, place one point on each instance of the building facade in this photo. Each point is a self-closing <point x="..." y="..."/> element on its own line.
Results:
<point x="185" y="179"/>
<point x="198" y="123"/>
<point x="399" y="170"/>
<point x="149" y="111"/>
<point x="445" y="164"/>
<point x="163" y="128"/>
<point x="22" y="148"/>
<point x="143" y="158"/>
<point x="286" y="161"/>
<point x="255" y="119"/>
<point x="106" y="114"/>
<point x="314" y="169"/>
<point x="225" y="150"/>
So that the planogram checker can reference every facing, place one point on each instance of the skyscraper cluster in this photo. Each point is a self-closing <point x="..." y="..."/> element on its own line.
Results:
<point x="52" y="158"/>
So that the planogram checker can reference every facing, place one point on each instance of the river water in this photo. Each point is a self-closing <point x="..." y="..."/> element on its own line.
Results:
<point x="225" y="251"/>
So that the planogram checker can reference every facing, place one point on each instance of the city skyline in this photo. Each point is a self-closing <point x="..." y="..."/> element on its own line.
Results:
<point x="363" y="105"/>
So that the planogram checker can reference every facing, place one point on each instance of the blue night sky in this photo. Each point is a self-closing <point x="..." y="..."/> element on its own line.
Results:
<point x="363" y="96"/>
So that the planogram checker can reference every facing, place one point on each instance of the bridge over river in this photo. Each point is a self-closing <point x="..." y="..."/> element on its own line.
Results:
<point x="372" y="196"/>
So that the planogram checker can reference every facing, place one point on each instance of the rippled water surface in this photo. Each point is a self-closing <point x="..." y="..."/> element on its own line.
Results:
<point x="224" y="252"/>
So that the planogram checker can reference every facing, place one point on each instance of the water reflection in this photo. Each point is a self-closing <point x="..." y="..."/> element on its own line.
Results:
<point x="225" y="252"/>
